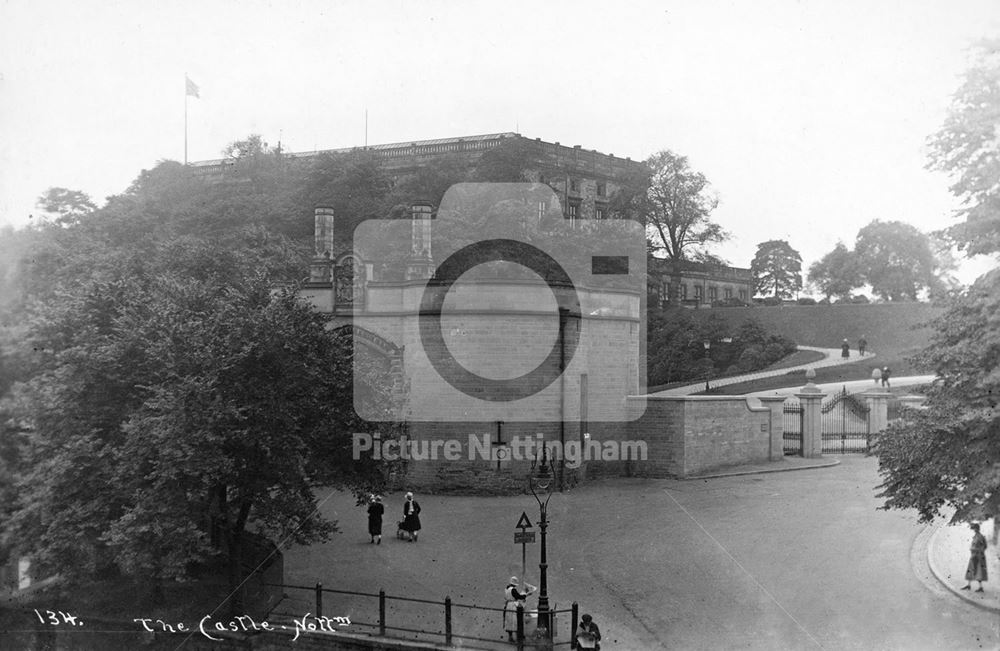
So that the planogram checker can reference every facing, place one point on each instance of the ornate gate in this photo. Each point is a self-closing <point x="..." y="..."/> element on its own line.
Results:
<point x="846" y="426"/>
<point x="792" y="421"/>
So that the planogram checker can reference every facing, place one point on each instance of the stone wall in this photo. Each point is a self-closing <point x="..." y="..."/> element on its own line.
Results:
<point x="688" y="435"/>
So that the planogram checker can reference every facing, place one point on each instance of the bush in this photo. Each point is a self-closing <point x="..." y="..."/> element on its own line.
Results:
<point x="772" y="300"/>
<point x="729" y="302"/>
<point x="860" y="298"/>
<point x="806" y="301"/>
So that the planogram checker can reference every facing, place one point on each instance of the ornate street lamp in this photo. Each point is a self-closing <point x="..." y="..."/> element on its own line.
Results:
<point x="541" y="479"/>
<point x="707" y="344"/>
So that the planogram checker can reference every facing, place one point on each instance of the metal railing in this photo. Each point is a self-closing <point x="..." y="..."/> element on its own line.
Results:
<point x="394" y="621"/>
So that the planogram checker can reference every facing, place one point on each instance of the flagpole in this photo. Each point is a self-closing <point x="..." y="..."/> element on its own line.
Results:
<point x="185" y="120"/>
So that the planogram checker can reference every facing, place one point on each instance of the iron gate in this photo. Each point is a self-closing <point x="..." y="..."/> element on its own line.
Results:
<point x="846" y="426"/>
<point x="792" y="421"/>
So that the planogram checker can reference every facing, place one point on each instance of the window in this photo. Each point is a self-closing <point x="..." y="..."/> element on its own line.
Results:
<point x="743" y="295"/>
<point x="573" y="210"/>
<point x="698" y="293"/>
<point x="713" y="293"/>
<point x="602" y="190"/>
<point x="599" y="213"/>
<point x="728" y="292"/>
<point x="684" y="292"/>
<point x="574" y="185"/>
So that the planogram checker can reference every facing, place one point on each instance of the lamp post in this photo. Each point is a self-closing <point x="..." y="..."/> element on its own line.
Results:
<point x="707" y="344"/>
<point x="542" y="480"/>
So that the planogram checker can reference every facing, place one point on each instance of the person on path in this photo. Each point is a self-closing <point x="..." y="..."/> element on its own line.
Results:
<point x="845" y="349"/>
<point x="976" y="571"/>
<point x="512" y="598"/>
<point x="862" y="345"/>
<point x="885" y="376"/>
<point x="411" y="517"/>
<point x="375" y="511"/>
<point x="877" y="375"/>
<point x="588" y="635"/>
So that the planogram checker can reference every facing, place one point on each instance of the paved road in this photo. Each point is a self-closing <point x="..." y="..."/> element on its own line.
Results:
<point x="780" y="561"/>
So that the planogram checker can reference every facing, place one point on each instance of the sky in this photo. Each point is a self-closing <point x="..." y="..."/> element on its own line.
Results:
<point x="810" y="119"/>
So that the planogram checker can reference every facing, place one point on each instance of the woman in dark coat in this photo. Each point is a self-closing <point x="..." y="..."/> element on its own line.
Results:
<point x="977" y="561"/>
<point x="411" y="517"/>
<point x="375" y="511"/>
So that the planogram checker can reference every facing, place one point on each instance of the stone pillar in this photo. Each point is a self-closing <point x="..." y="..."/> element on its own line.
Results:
<point x="811" y="400"/>
<point x="776" y="445"/>
<point x="877" y="401"/>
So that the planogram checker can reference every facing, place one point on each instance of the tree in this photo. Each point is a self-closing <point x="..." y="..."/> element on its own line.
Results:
<point x="69" y="205"/>
<point x="836" y="273"/>
<point x="966" y="148"/>
<point x="947" y="456"/>
<point x="173" y="405"/>
<point x="895" y="259"/>
<point x="777" y="268"/>
<point x="678" y="207"/>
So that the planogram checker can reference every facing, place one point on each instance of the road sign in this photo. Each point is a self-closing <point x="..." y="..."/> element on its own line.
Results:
<point x="524" y="522"/>
<point x="524" y="537"/>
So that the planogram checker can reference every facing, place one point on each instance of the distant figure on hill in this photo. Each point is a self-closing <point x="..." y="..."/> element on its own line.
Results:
<point x="877" y="375"/>
<point x="862" y="344"/>
<point x="885" y="376"/>
<point x="845" y="349"/>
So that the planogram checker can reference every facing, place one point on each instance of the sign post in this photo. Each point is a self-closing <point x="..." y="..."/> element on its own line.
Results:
<point x="523" y="537"/>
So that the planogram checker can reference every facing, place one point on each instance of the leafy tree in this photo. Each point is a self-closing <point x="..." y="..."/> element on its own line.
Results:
<point x="895" y="259"/>
<point x="966" y="148"/>
<point x="171" y="403"/>
<point x="678" y="207"/>
<point x="836" y="274"/>
<point x="69" y="205"/>
<point x="947" y="456"/>
<point x="776" y="268"/>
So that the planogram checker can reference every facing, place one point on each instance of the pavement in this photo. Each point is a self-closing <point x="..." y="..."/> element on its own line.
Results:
<point x="948" y="555"/>
<point x="781" y="560"/>
<point x="832" y="357"/>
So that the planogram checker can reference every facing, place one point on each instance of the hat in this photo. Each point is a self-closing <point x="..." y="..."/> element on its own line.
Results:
<point x="378" y="498"/>
<point x="409" y="496"/>
<point x="587" y="618"/>
<point x="513" y="579"/>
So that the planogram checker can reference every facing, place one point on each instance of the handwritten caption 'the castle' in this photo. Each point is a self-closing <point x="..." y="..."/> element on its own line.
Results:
<point x="210" y="627"/>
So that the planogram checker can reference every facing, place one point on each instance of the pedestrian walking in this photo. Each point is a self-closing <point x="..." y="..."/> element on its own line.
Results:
<point x="862" y="345"/>
<point x="976" y="571"/>
<point x="375" y="511"/>
<point x="588" y="635"/>
<point x="512" y="598"/>
<point x="845" y="349"/>
<point x="411" y="517"/>
<point x="885" y="376"/>
<point x="877" y="375"/>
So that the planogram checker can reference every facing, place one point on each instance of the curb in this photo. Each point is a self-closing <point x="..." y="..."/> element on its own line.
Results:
<point x="762" y="471"/>
<point x="941" y="575"/>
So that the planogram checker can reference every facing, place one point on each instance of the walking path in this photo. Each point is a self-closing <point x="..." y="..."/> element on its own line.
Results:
<point x="832" y="358"/>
